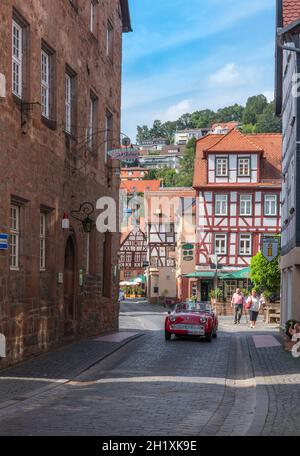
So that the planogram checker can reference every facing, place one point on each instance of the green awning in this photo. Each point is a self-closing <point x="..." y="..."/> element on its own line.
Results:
<point x="200" y="275"/>
<point x="241" y="274"/>
<point x="139" y="279"/>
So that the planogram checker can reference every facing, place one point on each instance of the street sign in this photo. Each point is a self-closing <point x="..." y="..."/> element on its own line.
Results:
<point x="3" y="241"/>
<point x="187" y="247"/>
<point x="270" y="247"/>
<point x="188" y="258"/>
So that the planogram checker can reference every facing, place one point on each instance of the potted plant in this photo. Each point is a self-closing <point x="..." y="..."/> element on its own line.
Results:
<point x="289" y="331"/>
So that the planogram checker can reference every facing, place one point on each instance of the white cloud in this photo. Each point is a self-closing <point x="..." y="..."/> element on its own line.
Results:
<point x="227" y="75"/>
<point x="175" y="111"/>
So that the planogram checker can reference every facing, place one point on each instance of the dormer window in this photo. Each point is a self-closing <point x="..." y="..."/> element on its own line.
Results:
<point x="244" y="167"/>
<point x="222" y="167"/>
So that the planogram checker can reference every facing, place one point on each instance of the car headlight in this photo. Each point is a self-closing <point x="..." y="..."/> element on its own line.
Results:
<point x="203" y="319"/>
<point x="173" y="319"/>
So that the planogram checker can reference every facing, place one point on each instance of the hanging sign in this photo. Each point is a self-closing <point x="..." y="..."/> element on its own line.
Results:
<point x="3" y="241"/>
<point x="270" y="247"/>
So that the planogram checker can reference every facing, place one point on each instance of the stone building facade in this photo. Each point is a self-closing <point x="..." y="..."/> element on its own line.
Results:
<point x="60" y="71"/>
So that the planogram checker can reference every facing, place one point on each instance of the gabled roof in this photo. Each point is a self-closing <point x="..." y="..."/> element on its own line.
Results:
<point x="223" y="125"/>
<point x="267" y="145"/>
<point x="140" y="186"/>
<point x="234" y="141"/>
<point x="202" y="144"/>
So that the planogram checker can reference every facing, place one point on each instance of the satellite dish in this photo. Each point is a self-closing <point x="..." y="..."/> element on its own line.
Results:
<point x="126" y="141"/>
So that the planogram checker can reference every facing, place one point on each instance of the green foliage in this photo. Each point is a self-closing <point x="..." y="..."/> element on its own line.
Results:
<point x="216" y="294"/>
<point x="256" y="117"/>
<point x="267" y="122"/>
<point x="265" y="275"/>
<point x="254" y="107"/>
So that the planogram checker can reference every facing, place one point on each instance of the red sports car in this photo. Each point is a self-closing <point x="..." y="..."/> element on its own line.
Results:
<point x="192" y="319"/>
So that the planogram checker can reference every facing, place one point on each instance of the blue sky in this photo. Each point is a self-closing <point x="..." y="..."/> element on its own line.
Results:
<point x="185" y="55"/>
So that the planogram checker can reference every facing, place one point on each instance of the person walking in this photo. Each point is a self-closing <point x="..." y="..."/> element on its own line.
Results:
<point x="238" y="301"/>
<point x="253" y="304"/>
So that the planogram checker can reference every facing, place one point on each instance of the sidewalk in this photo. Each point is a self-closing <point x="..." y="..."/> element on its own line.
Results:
<point x="52" y="369"/>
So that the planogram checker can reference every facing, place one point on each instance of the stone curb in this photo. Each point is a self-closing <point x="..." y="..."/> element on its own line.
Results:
<point x="38" y="391"/>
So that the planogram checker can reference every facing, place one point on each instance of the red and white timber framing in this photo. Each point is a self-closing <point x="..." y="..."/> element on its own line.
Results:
<point x="233" y="225"/>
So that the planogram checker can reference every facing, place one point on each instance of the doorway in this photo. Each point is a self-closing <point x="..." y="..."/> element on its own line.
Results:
<point x="69" y="280"/>
<point x="204" y="294"/>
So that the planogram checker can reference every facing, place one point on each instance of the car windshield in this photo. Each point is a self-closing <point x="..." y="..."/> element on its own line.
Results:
<point x="192" y="307"/>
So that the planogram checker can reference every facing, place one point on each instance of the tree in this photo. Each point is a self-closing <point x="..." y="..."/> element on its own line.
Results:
<point x="143" y="134"/>
<point x="267" y="122"/>
<point x="265" y="275"/>
<point x="230" y="113"/>
<point x="254" y="107"/>
<point x="157" y="130"/>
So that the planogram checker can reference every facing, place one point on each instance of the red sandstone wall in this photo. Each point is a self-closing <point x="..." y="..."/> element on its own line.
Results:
<point x="37" y="168"/>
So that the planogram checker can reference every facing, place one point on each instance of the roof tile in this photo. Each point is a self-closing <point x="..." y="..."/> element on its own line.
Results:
<point x="291" y="11"/>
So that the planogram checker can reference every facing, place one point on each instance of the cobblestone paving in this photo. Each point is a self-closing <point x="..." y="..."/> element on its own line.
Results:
<point x="155" y="387"/>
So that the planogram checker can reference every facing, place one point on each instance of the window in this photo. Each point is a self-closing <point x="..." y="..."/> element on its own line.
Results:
<point x="245" y="245"/>
<point x="43" y="219"/>
<point x="17" y="58"/>
<point x="45" y="83"/>
<point x="271" y="205"/>
<point x="93" y="15"/>
<point x="220" y="244"/>
<point x="222" y="167"/>
<point x="69" y="101"/>
<point x="109" y="40"/>
<point x="245" y="205"/>
<point x="107" y="264"/>
<point x="68" y="104"/>
<point x="92" y="121"/>
<point x="14" y="236"/>
<point x="221" y="206"/>
<point x="108" y="133"/>
<point x="127" y="274"/>
<point x="244" y="167"/>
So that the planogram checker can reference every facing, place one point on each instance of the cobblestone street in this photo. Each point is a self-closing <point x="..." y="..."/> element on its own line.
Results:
<point x="140" y="384"/>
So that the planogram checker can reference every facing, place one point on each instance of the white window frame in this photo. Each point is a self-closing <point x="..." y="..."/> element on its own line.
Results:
<point x="108" y="134"/>
<point x="68" y="103"/>
<point x="222" y="201"/>
<point x="43" y="225"/>
<point x="45" y="83"/>
<point x="245" y="203"/>
<point x="14" y="237"/>
<point x="92" y="102"/>
<point x="268" y="205"/>
<point x="221" y="244"/>
<point x="17" y="59"/>
<point x="242" y="166"/>
<point x="109" y="39"/>
<point x="92" y="16"/>
<point x="245" y="250"/>
<point x="222" y="166"/>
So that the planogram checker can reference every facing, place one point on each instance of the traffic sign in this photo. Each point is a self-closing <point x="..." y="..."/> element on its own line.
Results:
<point x="3" y="241"/>
<point x="270" y="247"/>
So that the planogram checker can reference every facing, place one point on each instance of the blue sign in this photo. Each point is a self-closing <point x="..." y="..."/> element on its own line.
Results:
<point x="3" y="241"/>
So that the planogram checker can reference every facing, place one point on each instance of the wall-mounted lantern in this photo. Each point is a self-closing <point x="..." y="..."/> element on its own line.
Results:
<point x="65" y="222"/>
<point x="83" y="215"/>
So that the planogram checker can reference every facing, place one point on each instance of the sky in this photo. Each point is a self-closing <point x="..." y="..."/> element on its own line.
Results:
<point x="188" y="55"/>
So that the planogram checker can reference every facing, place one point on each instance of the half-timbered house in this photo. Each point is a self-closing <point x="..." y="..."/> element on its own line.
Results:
<point x="165" y="209"/>
<point x="133" y="254"/>
<point x="238" y="182"/>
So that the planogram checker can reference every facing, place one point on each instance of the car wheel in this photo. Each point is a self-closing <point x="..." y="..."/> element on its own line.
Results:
<point x="168" y="335"/>
<point x="208" y="337"/>
<point x="215" y="334"/>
